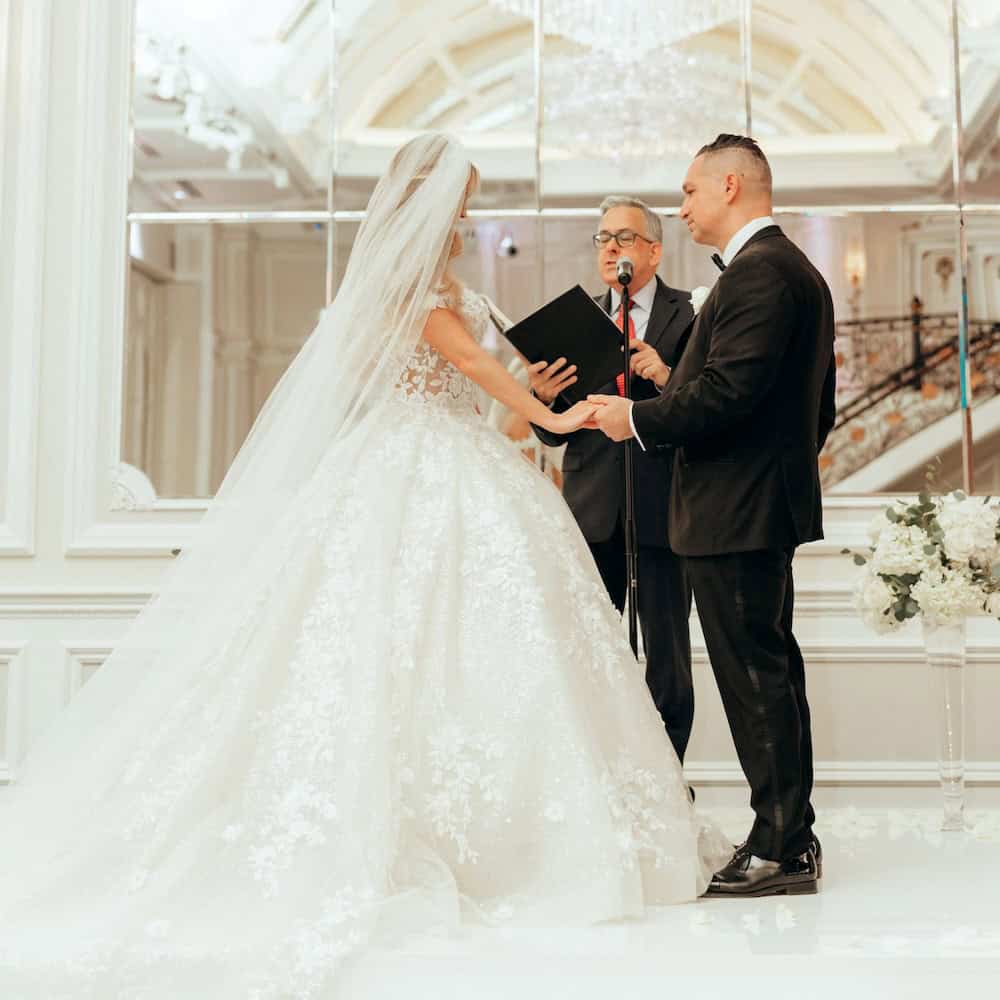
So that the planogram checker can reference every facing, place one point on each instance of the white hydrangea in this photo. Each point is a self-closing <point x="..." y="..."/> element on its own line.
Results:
<point x="946" y="596"/>
<point x="969" y="528"/>
<point x="873" y="597"/>
<point x="878" y="524"/>
<point x="900" y="550"/>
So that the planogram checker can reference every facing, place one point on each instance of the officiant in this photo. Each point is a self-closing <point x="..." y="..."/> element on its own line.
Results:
<point x="594" y="466"/>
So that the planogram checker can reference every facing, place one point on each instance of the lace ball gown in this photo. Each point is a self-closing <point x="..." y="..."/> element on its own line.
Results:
<point x="431" y="707"/>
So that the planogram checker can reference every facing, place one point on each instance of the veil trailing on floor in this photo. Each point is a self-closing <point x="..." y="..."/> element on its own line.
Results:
<point x="337" y="387"/>
<point x="383" y="688"/>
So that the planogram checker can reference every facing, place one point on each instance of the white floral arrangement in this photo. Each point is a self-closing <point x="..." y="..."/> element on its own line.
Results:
<point x="698" y="296"/>
<point x="938" y="558"/>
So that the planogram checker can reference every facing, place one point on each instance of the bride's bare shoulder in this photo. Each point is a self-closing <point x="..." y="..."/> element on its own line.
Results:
<point x="443" y="322"/>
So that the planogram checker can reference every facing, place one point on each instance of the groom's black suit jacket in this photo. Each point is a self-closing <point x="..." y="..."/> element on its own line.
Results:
<point x="594" y="466"/>
<point x="749" y="406"/>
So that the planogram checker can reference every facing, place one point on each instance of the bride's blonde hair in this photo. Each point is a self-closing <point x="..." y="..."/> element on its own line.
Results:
<point x="451" y="287"/>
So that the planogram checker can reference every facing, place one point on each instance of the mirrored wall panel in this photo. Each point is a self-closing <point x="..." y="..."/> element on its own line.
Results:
<point x="231" y="105"/>
<point x="630" y="92"/>
<point x="460" y="66"/>
<point x="298" y="106"/>
<point x="853" y="101"/>
<point x="983" y="238"/>
<point x="896" y="291"/>
<point x="215" y="315"/>
<point x="979" y="46"/>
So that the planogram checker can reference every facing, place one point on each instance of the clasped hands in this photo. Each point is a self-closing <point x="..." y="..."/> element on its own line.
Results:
<point x="609" y="414"/>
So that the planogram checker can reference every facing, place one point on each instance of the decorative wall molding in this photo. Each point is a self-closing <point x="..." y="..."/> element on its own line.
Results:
<point x="57" y="603"/>
<point x="856" y="773"/>
<point x="25" y="43"/>
<point x="96" y="290"/>
<point x="83" y="657"/>
<point x="11" y="674"/>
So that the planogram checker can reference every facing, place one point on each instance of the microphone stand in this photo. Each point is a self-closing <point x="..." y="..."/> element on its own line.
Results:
<point x="631" y="556"/>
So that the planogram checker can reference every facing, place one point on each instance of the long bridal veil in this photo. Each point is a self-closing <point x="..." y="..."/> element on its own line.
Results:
<point x="111" y="785"/>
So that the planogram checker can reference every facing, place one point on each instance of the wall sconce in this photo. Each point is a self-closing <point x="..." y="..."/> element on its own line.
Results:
<point x="854" y="268"/>
<point x="944" y="269"/>
<point x="507" y="247"/>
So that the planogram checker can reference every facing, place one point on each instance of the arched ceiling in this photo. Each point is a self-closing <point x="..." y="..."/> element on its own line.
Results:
<point x="847" y="94"/>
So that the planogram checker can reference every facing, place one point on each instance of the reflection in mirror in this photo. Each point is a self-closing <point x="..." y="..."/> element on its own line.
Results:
<point x="215" y="315"/>
<point x="979" y="45"/>
<point x="230" y="105"/>
<point x="894" y="281"/>
<point x="461" y="66"/>
<point x="983" y="237"/>
<point x="856" y="96"/>
<point x="628" y="96"/>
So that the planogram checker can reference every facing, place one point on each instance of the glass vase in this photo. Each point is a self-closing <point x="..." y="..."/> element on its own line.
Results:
<point x="944" y="647"/>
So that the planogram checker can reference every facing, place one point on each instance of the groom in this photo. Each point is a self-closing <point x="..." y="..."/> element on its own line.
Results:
<point x="749" y="407"/>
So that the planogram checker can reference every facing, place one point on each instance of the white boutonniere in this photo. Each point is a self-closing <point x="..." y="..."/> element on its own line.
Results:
<point x="698" y="296"/>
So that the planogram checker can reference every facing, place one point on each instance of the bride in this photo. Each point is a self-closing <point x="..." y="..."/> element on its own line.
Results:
<point x="384" y="687"/>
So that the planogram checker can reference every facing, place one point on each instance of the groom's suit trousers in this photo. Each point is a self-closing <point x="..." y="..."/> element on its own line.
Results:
<point x="745" y="602"/>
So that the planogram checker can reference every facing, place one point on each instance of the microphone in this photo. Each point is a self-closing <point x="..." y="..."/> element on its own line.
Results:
<point x="717" y="261"/>
<point x="624" y="271"/>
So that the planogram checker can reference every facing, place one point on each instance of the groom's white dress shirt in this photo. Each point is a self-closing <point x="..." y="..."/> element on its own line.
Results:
<point x="736" y="243"/>
<point x="741" y="236"/>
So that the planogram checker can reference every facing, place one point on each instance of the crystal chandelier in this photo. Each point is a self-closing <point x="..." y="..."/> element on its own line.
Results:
<point x="617" y="85"/>
<point x="636" y="26"/>
<point x="163" y="67"/>
<point x="603" y="109"/>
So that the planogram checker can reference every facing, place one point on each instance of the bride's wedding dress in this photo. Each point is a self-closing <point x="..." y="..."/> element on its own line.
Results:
<point x="428" y="708"/>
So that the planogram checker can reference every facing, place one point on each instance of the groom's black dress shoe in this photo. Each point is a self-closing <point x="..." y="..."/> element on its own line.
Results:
<point x="747" y="875"/>
<point x="817" y="852"/>
<point x="815" y="848"/>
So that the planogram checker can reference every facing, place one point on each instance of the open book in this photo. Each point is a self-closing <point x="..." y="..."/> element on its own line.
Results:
<point x="572" y="326"/>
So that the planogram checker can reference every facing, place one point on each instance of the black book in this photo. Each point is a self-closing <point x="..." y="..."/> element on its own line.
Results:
<point x="572" y="326"/>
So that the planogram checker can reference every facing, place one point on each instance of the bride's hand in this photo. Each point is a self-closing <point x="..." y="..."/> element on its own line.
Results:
<point x="573" y="419"/>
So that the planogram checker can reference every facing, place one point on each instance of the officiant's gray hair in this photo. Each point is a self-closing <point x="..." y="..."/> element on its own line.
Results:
<point x="654" y="225"/>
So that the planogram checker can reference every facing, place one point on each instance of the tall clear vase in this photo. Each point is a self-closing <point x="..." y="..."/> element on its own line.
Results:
<point x="944" y="646"/>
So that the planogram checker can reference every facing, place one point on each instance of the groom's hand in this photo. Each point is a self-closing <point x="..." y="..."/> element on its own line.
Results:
<point x="612" y="417"/>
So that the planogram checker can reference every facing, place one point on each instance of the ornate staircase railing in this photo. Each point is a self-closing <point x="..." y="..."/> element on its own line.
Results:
<point x="896" y="376"/>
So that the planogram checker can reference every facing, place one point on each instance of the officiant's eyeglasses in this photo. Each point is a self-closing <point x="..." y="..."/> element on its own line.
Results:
<point x="624" y="238"/>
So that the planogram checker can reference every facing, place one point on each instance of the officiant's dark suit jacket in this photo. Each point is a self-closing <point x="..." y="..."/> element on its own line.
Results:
<point x="594" y="466"/>
<point x="749" y="406"/>
<point x="594" y="488"/>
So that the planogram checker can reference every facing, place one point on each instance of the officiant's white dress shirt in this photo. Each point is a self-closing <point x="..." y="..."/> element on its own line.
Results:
<point x="639" y="311"/>
<point x="737" y="242"/>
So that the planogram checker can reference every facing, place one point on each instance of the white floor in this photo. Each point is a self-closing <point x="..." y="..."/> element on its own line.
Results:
<point x="904" y="911"/>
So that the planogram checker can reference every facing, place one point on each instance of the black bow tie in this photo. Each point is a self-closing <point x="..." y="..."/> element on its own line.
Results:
<point x="717" y="261"/>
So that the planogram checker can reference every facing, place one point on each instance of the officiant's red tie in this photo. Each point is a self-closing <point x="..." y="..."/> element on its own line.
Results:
<point x="620" y="381"/>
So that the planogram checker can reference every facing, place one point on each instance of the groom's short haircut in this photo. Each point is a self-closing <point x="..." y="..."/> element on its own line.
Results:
<point x="753" y="162"/>
<point x="654" y="227"/>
